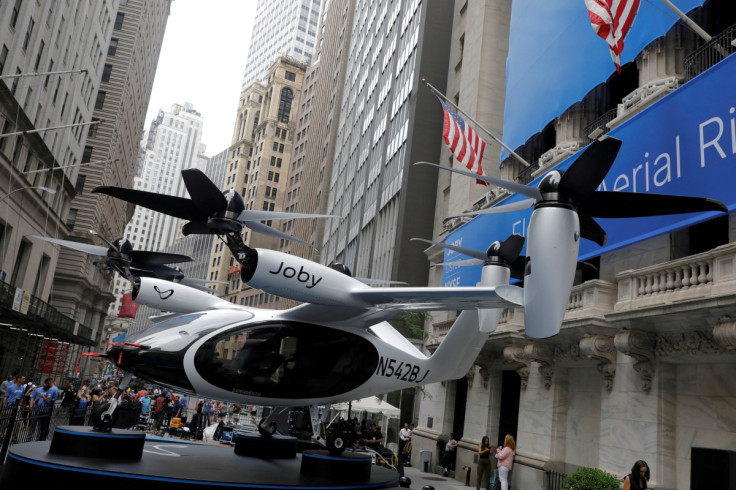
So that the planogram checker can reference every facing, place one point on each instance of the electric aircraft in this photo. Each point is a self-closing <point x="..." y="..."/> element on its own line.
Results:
<point x="565" y="204"/>
<point x="338" y="346"/>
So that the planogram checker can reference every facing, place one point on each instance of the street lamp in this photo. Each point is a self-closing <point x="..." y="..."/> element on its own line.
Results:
<point x="47" y="189"/>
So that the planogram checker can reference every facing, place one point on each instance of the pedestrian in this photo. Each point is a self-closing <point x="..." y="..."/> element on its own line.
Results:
<point x="207" y="412"/>
<point x="404" y="439"/>
<point x="638" y="477"/>
<point x="68" y="397"/>
<point x="4" y="385"/>
<point x="484" y="464"/>
<point x="448" y="459"/>
<point x="159" y="411"/>
<point x="45" y="399"/>
<point x="14" y="391"/>
<point x="505" y="457"/>
<point x="374" y="438"/>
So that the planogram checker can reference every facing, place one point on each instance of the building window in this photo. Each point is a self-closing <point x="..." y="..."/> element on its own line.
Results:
<point x="93" y="128"/>
<point x="112" y="49"/>
<point x="3" y="58"/>
<point x="290" y="76"/>
<point x="287" y="95"/>
<point x="29" y="32"/>
<point x="119" y="21"/>
<point x="106" y="71"/>
<point x="14" y="14"/>
<point x="100" y="99"/>
<point x="87" y="155"/>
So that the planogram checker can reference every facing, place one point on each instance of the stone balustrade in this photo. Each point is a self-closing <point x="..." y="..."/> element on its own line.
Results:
<point x="694" y="277"/>
<point x="592" y="299"/>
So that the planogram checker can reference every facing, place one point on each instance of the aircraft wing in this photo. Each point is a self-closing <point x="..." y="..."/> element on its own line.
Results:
<point x="383" y="304"/>
<point x="426" y="299"/>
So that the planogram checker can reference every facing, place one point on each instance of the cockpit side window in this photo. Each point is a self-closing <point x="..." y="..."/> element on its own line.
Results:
<point x="287" y="360"/>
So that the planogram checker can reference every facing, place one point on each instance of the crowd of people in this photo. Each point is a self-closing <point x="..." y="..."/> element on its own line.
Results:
<point x="137" y="407"/>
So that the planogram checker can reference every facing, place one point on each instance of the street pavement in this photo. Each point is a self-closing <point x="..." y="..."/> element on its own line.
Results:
<point x="419" y="480"/>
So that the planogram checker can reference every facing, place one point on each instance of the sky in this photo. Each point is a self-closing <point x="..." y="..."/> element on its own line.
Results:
<point x="202" y="61"/>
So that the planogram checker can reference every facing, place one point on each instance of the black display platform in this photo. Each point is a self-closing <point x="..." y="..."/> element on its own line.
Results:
<point x="177" y="465"/>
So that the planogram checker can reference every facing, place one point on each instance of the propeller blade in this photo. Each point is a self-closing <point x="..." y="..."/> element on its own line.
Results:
<point x="586" y="173"/>
<point x="82" y="247"/>
<point x="591" y="230"/>
<point x="608" y="204"/>
<point x="511" y="248"/>
<point x="517" y="267"/>
<point x="524" y="190"/>
<point x="204" y="193"/>
<point x="178" y="207"/>
<point x="144" y="257"/>
<point x="109" y="243"/>
<point x="196" y="280"/>
<point x="197" y="228"/>
<point x="502" y="208"/>
<point x="477" y="254"/>
<point x="249" y="215"/>
<point x="461" y="263"/>
<point x="259" y="227"/>
<point x="142" y="272"/>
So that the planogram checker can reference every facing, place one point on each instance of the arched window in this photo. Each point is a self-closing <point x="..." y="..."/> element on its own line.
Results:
<point x="285" y="104"/>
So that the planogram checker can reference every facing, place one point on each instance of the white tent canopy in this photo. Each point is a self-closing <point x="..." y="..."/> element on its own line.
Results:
<point x="372" y="404"/>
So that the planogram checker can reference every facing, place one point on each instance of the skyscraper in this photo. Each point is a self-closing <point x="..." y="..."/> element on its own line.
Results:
<point x="282" y="27"/>
<point x="387" y="122"/>
<point x="127" y="69"/>
<point x="258" y="166"/>
<point x="171" y="144"/>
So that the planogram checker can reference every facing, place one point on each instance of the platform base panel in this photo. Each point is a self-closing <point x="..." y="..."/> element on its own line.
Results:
<point x="85" y="442"/>
<point x="178" y="466"/>
<point x="344" y="467"/>
<point x="254" y="445"/>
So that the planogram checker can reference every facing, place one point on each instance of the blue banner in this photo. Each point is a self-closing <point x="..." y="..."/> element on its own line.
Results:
<point x="684" y="144"/>
<point x="555" y="58"/>
<point x="119" y="338"/>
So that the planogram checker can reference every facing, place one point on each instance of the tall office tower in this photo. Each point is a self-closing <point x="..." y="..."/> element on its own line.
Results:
<point x="51" y="62"/>
<point x="258" y="164"/>
<point x="198" y="247"/>
<point x="282" y="27"/>
<point x="316" y="131"/>
<point x="388" y="121"/>
<point x="109" y="154"/>
<point x="171" y="144"/>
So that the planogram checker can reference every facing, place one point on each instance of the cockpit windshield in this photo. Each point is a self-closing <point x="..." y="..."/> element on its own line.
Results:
<point x="286" y="360"/>
<point x="180" y="331"/>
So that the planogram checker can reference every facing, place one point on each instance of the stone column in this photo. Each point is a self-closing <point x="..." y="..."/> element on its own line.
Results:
<point x="481" y="414"/>
<point x="630" y="411"/>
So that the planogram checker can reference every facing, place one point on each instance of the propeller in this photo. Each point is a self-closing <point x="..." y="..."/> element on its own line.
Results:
<point x="129" y="263"/>
<point x="507" y="253"/>
<point x="517" y="265"/>
<point x="566" y="204"/>
<point x="576" y="187"/>
<point x="209" y="210"/>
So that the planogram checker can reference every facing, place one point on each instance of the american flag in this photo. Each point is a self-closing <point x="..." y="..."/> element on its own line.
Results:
<point x="463" y="142"/>
<point x="611" y="20"/>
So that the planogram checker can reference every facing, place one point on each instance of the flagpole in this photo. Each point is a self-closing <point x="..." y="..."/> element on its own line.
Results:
<point x="442" y="96"/>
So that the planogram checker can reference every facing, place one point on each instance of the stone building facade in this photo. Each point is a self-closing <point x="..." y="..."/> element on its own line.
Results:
<point x="640" y="369"/>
